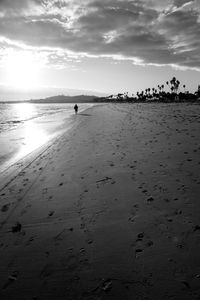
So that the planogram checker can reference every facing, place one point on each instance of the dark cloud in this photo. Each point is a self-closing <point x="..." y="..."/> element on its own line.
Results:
<point x="156" y="32"/>
<point x="7" y="5"/>
<point x="183" y="29"/>
<point x="17" y="7"/>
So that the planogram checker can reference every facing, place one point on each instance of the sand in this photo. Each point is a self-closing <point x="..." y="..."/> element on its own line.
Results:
<point x="35" y="125"/>
<point x="108" y="210"/>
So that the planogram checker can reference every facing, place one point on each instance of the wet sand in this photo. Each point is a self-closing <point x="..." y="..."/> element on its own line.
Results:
<point x="32" y="126"/>
<point x="109" y="210"/>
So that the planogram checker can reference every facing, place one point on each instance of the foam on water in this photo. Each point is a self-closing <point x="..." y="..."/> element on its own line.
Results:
<point x="13" y="114"/>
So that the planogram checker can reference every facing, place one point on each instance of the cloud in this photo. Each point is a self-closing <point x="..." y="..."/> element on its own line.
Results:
<point x="181" y="3"/>
<point x="158" y="32"/>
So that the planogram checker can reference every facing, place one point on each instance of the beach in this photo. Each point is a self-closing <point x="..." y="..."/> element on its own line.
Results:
<point x="109" y="209"/>
<point x="25" y="127"/>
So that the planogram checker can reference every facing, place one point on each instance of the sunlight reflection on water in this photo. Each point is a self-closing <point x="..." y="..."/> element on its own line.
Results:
<point x="24" y="111"/>
<point x="34" y="136"/>
<point x="28" y="126"/>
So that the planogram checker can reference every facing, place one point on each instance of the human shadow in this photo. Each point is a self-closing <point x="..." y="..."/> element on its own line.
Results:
<point x="87" y="115"/>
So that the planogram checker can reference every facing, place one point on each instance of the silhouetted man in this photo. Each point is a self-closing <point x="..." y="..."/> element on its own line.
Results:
<point x="76" y="108"/>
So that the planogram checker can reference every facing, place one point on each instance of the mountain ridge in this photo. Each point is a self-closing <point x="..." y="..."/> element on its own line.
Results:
<point x="60" y="99"/>
<point x="66" y="99"/>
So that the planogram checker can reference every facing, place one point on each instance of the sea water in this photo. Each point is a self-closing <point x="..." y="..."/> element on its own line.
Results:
<point x="25" y="127"/>
<point x="14" y="114"/>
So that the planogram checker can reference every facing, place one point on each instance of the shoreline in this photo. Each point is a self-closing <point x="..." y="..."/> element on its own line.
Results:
<point x="108" y="211"/>
<point x="30" y="135"/>
<point x="11" y="169"/>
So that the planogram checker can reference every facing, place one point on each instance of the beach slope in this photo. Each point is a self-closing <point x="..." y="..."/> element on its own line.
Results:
<point x="110" y="210"/>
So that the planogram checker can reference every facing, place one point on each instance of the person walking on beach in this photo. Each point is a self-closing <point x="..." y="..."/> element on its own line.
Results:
<point x="76" y="108"/>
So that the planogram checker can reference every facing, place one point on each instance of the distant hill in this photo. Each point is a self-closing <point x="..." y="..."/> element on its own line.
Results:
<point x="67" y="99"/>
<point x="10" y="93"/>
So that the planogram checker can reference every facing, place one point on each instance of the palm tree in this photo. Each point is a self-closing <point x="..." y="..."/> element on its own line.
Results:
<point x="173" y="81"/>
<point x="125" y="95"/>
<point x="177" y="85"/>
<point x="119" y="96"/>
<point x="167" y="83"/>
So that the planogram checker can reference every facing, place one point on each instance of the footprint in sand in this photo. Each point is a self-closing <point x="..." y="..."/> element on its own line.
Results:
<point x="82" y="250"/>
<point x="11" y="279"/>
<point x="89" y="241"/>
<point x="60" y="236"/>
<point x="150" y="199"/>
<point x="30" y="240"/>
<point x="17" y="227"/>
<point x="141" y="243"/>
<point x="51" y="213"/>
<point x="134" y="211"/>
<point x="5" y="207"/>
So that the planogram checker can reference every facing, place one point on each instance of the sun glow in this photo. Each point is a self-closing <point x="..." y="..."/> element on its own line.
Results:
<point x="34" y="136"/>
<point x="21" y="69"/>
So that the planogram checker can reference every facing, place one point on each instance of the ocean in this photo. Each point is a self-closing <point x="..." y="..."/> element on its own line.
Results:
<point x="14" y="114"/>
<point x="24" y="127"/>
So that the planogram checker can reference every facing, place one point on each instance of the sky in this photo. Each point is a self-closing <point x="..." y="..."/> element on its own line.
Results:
<point x="105" y="46"/>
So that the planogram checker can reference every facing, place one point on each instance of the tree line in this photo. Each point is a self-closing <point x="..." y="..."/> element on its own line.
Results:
<point x="172" y="91"/>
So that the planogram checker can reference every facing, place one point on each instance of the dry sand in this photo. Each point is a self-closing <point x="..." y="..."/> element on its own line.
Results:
<point x="109" y="210"/>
